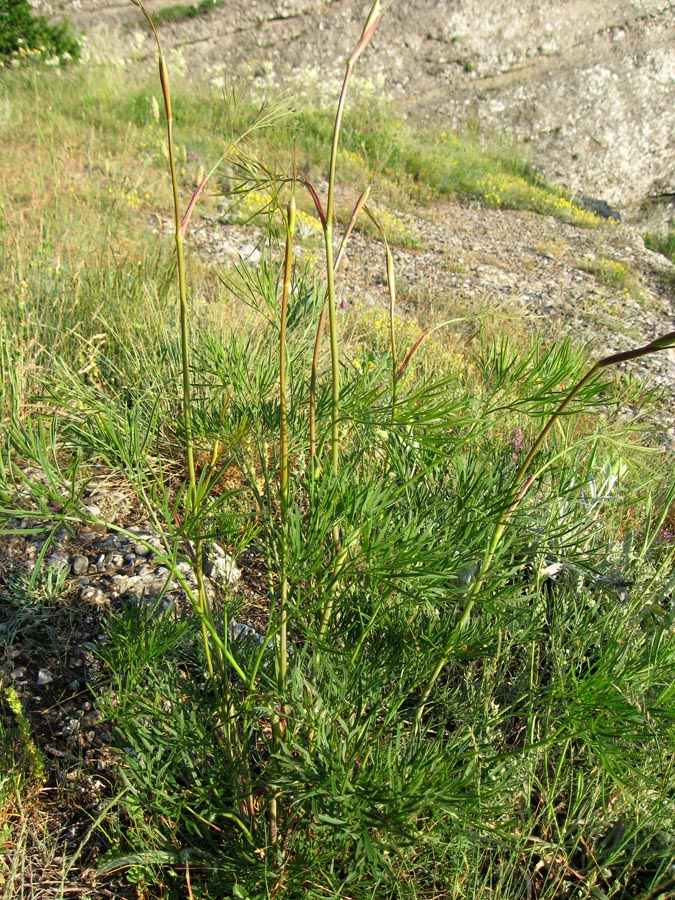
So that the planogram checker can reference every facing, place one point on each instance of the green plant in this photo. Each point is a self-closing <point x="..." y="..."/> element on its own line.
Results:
<point x="662" y="243"/>
<point x="339" y="504"/>
<point x="27" y="37"/>
<point x="34" y="758"/>
<point x="614" y="274"/>
<point x="179" y="12"/>
<point x="461" y="680"/>
<point x="467" y="165"/>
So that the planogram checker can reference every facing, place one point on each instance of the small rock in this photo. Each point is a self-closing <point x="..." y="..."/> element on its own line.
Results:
<point x="79" y="564"/>
<point x="58" y="560"/>
<point x="92" y="530"/>
<point x="44" y="676"/>
<point x="142" y="550"/>
<point x="60" y="536"/>
<point x="220" y="564"/>
<point x="94" y="595"/>
<point x="120" y="584"/>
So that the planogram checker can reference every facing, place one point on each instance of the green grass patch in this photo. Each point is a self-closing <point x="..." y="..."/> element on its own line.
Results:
<point x="662" y="242"/>
<point x="614" y="274"/>
<point x="179" y="12"/>
<point x="467" y="165"/>
<point x="409" y="162"/>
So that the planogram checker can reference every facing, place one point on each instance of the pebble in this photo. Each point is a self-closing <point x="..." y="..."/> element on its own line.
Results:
<point x="79" y="564"/>
<point x="44" y="676"/>
<point x="90" y="531"/>
<point x="142" y="550"/>
<point x="58" y="560"/>
<point x="220" y="564"/>
<point x="60" y="536"/>
<point x="94" y="595"/>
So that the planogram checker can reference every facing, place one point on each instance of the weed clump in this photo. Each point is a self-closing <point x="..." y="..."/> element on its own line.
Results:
<point x="25" y="37"/>
<point x="662" y="242"/>
<point x="179" y="12"/>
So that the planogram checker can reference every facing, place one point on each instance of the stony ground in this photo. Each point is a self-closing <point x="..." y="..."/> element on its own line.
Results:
<point x="598" y="286"/>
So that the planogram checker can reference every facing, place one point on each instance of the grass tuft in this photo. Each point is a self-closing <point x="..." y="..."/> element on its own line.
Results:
<point x="663" y="243"/>
<point x="179" y="12"/>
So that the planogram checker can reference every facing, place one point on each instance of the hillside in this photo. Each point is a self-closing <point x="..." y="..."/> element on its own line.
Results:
<point x="589" y="84"/>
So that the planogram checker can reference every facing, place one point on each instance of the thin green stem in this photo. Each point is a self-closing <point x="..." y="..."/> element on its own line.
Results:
<point x="185" y="364"/>
<point x="391" y="287"/>
<point x="312" y="391"/>
<point x="285" y="460"/>
<point x="322" y="317"/>
<point x="371" y="24"/>
<point x="330" y="601"/>
<point x="217" y="672"/>
<point x="334" y="357"/>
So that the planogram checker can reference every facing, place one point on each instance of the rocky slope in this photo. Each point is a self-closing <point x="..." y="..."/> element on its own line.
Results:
<point x="590" y="84"/>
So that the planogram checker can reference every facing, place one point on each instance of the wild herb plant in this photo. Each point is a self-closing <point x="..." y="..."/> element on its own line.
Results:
<point x="333" y="511"/>
<point x="465" y="681"/>
<point x="662" y="242"/>
<point x="178" y="12"/>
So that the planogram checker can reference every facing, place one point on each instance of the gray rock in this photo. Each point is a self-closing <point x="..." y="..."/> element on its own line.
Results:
<point x="142" y="550"/>
<point x="94" y="595"/>
<point x="220" y="565"/>
<point x="58" y="560"/>
<point x="599" y="207"/>
<point x="79" y="564"/>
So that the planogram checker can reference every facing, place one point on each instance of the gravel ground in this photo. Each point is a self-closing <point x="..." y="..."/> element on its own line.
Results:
<point x="542" y="274"/>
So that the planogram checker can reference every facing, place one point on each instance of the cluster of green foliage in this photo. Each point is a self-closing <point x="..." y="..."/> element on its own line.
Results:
<point x="26" y="36"/>
<point x="662" y="242"/>
<point x="179" y="12"/>
<point x="408" y="164"/>
<point x="469" y="165"/>
<point x="466" y="682"/>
